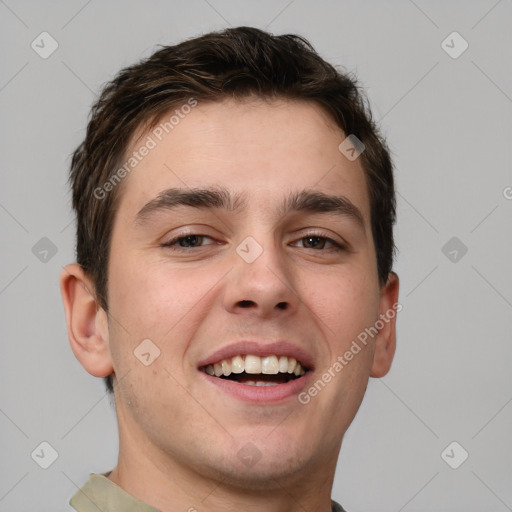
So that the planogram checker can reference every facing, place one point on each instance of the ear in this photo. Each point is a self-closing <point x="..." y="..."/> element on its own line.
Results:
<point x="87" y="322"/>
<point x="385" y="341"/>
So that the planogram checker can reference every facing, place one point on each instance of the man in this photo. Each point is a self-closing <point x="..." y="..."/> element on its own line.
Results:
<point x="234" y="283"/>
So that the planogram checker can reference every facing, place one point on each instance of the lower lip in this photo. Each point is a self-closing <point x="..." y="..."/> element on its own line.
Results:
<point x="259" y="394"/>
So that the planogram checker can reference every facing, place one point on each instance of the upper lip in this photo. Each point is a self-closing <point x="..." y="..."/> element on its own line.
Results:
<point x="261" y="349"/>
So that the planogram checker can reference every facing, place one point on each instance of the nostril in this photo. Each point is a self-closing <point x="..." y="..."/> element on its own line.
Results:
<point x="250" y="303"/>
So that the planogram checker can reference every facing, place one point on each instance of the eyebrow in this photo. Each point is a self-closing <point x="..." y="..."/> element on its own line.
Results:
<point x="221" y="198"/>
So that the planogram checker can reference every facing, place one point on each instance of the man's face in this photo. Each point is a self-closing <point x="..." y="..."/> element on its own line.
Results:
<point x="260" y="276"/>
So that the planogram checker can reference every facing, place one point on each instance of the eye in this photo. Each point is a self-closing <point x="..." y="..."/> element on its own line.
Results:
<point x="318" y="242"/>
<point x="188" y="241"/>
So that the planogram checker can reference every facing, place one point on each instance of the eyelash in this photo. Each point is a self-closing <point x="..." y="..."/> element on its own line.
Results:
<point x="337" y="246"/>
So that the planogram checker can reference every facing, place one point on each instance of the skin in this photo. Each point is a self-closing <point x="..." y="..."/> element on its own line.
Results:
<point x="179" y="435"/>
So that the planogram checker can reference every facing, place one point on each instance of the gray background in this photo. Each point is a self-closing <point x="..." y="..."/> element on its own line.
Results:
<point x="448" y="124"/>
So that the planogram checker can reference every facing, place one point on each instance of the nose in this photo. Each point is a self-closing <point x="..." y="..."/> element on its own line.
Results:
<point x="263" y="287"/>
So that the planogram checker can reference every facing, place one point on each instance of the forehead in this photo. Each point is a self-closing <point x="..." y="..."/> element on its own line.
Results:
<point x="262" y="148"/>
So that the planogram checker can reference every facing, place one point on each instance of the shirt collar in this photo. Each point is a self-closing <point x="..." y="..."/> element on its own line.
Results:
<point x="100" y="494"/>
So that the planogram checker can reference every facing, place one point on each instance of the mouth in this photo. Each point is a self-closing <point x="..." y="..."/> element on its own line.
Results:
<point x="252" y="370"/>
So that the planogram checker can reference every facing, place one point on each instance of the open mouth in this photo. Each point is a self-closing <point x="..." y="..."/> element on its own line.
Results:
<point x="257" y="371"/>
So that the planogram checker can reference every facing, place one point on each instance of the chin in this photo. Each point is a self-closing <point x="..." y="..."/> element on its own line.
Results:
<point x="250" y="469"/>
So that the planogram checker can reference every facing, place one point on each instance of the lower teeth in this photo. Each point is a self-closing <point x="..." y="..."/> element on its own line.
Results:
<point x="259" y="383"/>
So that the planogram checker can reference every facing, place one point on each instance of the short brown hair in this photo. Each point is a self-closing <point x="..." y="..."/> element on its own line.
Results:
<point x="236" y="62"/>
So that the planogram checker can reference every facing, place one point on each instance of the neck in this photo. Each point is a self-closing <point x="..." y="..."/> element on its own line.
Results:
<point x="171" y="491"/>
<point x="163" y="482"/>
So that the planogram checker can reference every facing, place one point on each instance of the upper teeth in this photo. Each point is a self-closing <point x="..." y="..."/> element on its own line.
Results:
<point x="269" y="365"/>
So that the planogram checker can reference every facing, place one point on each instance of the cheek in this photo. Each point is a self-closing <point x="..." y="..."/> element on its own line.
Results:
<point x="162" y="303"/>
<point x="345" y="303"/>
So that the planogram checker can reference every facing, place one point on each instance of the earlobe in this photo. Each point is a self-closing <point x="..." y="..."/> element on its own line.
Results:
<point x="87" y="323"/>
<point x="385" y="342"/>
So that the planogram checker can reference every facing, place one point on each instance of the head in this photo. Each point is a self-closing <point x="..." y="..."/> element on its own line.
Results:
<point x="230" y="143"/>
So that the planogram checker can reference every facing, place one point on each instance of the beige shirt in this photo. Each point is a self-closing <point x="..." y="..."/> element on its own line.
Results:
<point x="100" y="494"/>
